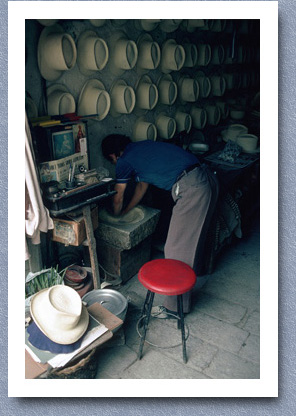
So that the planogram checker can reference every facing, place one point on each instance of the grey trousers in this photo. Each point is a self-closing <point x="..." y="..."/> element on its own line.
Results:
<point x="195" y="196"/>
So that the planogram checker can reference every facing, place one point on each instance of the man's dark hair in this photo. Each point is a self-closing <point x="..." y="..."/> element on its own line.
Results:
<point x="114" y="143"/>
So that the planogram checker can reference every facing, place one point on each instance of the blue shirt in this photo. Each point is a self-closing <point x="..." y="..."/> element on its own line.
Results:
<point x="157" y="163"/>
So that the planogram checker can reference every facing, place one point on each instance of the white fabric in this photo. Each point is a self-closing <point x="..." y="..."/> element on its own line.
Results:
<point x="37" y="217"/>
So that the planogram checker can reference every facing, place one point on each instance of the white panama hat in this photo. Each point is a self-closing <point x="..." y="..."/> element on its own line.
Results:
<point x="97" y="22"/>
<point x="146" y="95"/>
<point x="166" y="126"/>
<point x="123" y="98"/>
<point x="147" y="24"/>
<point x="167" y="90"/>
<point x="92" y="53"/>
<point x="123" y="53"/>
<point x="192" y="24"/>
<point x="199" y="117"/>
<point x="172" y="56"/>
<point x="56" y="52"/>
<point x="148" y="53"/>
<point x="218" y="85"/>
<point x="47" y="22"/>
<point x="59" y="313"/>
<point x="224" y="108"/>
<point x="218" y="55"/>
<point x="213" y="114"/>
<point x="94" y="100"/>
<point x="170" y="25"/>
<point x="59" y="100"/>
<point x="204" y="84"/>
<point x="183" y="120"/>
<point x="31" y="108"/>
<point x="248" y="142"/>
<point x="204" y="54"/>
<point x="191" y="55"/>
<point x="188" y="89"/>
<point x="143" y="130"/>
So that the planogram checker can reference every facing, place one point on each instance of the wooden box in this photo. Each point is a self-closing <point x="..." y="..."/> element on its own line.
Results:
<point x="72" y="231"/>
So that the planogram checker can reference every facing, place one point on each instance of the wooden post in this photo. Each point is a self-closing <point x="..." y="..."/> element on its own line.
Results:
<point x="92" y="247"/>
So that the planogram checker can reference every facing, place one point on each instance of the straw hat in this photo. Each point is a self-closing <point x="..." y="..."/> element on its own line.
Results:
<point x="191" y="24"/>
<point x="123" y="98"/>
<point x="123" y="53"/>
<point x="144" y="130"/>
<point x="248" y="142"/>
<point x="218" y="85"/>
<point x="172" y="56"/>
<point x="47" y="22"/>
<point x="233" y="131"/>
<point x="118" y="22"/>
<point x="204" y="54"/>
<point x="188" y="89"/>
<point x="191" y="55"/>
<point x="166" y="126"/>
<point x="218" y="55"/>
<point x="204" y="84"/>
<point x="224" y="108"/>
<point x="56" y="52"/>
<point x="218" y="25"/>
<point x="183" y="120"/>
<point x="213" y="114"/>
<point x="97" y="22"/>
<point x="59" y="313"/>
<point x="199" y="117"/>
<point x="147" y="24"/>
<point x="94" y="100"/>
<point x="92" y="53"/>
<point x="31" y="108"/>
<point x="148" y="53"/>
<point x="167" y="90"/>
<point x="146" y="94"/>
<point x="59" y="100"/>
<point x="170" y="25"/>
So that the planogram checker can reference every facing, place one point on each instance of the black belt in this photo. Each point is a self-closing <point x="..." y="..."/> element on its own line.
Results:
<point x="187" y="170"/>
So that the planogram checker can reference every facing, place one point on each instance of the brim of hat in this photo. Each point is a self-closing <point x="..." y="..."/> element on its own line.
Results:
<point x="114" y="113"/>
<point x="161" y="65"/>
<point x="115" y="37"/>
<point x="90" y="84"/>
<point x="144" y="37"/>
<point x="47" y="73"/>
<point x="60" y="337"/>
<point x="80" y="62"/>
<point x="56" y="87"/>
<point x="137" y="110"/>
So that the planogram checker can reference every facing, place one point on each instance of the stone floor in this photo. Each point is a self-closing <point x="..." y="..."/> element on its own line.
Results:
<point x="223" y="326"/>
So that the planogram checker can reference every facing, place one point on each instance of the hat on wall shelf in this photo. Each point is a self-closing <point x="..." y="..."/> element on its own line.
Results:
<point x="224" y="108"/>
<point x="191" y="54"/>
<point x="204" y="84"/>
<point x="172" y="56"/>
<point x="59" y="100"/>
<point x="146" y="95"/>
<point x="143" y="130"/>
<point x="166" y="126"/>
<point x="183" y="120"/>
<point x="248" y="143"/>
<point x="233" y="131"/>
<point x="118" y="22"/>
<point x="218" y="54"/>
<point x="191" y="25"/>
<point x="47" y="22"/>
<point x="97" y="22"/>
<point x="199" y="117"/>
<point x="31" y="108"/>
<point x="188" y="89"/>
<point x="92" y="53"/>
<point x="204" y="54"/>
<point x="218" y="25"/>
<point x="56" y="52"/>
<point x="59" y="313"/>
<point x="94" y="100"/>
<point x="147" y="24"/>
<point x="213" y="114"/>
<point x="148" y="53"/>
<point x="170" y="25"/>
<point x="123" y="98"/>
<point x="167" y="90"/>
<point x="218" y="85"/>
<point x="123" y="53"/>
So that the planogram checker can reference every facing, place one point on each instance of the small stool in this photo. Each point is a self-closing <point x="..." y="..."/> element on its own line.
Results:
<point x="170" y="278"/>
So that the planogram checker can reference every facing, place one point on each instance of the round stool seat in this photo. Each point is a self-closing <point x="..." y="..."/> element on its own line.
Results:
<point x="167" y="277"/>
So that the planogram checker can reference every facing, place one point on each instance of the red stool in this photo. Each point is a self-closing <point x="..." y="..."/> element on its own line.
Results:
<point x="165" y="277"/>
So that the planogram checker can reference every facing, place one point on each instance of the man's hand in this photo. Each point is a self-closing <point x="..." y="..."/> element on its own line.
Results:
<point x="140" y="191"/>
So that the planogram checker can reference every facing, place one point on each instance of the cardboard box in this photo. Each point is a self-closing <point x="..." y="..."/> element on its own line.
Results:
<point x="111" y="321"/>
<point x="72" y="232"/>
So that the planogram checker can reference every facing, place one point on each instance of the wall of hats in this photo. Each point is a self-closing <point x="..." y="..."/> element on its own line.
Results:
<point x="149" y="79"/>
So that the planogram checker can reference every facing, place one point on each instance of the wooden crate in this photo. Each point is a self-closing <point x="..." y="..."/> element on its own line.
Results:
<point x="72" y="232"/>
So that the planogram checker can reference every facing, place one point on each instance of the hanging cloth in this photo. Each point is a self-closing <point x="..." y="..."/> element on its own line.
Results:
<point x="37" y="216"/>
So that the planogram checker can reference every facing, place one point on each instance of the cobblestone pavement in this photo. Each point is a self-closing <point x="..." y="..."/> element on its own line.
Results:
<point x="224" y="332"/>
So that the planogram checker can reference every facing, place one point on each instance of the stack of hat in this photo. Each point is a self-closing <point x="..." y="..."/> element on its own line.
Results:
<point x="60" y="319"/>
<point x="78" y="279"/>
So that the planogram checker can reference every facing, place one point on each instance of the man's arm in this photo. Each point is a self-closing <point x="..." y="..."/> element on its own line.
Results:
<point x="118" y="197"/>
<point x="140" y="191"/>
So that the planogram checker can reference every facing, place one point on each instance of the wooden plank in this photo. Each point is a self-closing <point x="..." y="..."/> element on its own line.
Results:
<point x="92" y="247"/>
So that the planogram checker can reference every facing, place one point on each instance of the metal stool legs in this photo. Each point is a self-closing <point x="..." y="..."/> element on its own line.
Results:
<point x="181" y="324"/>
<point x="146" y="312"/>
